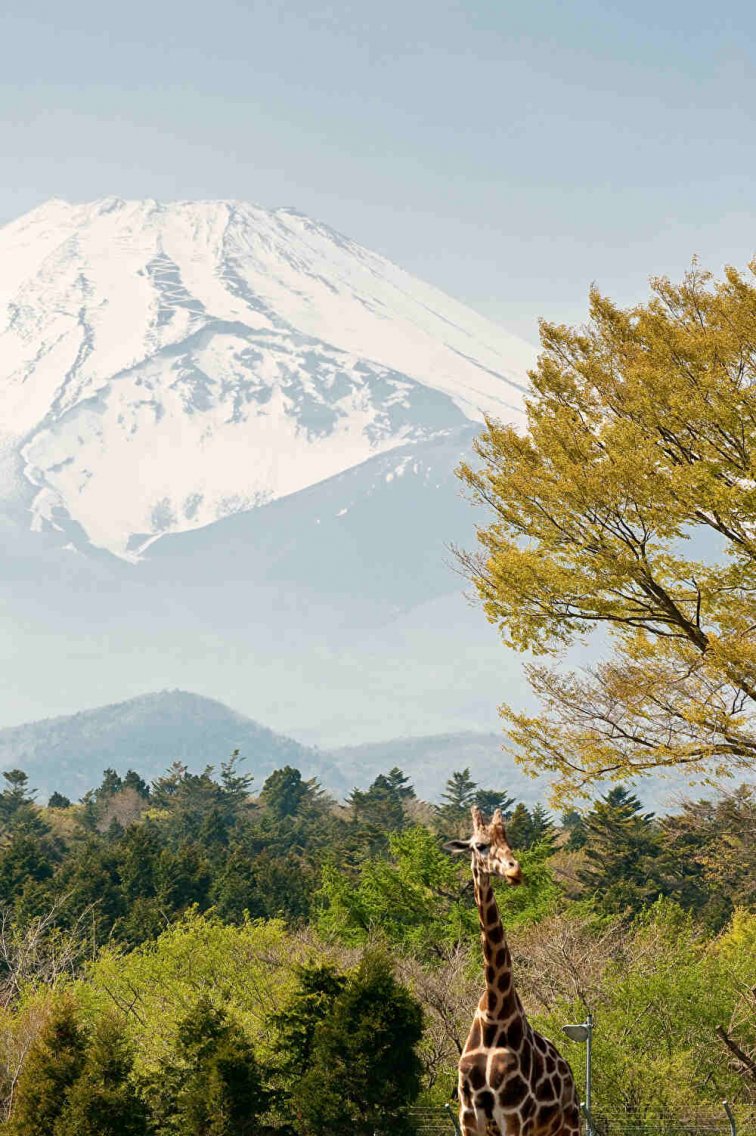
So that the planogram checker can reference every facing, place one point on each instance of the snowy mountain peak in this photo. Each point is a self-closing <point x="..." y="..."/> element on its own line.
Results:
<point x="165" y="365"/>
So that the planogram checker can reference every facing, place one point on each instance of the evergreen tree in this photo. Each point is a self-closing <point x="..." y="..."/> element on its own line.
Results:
<point x="710" y="855"/>
<point x="133" y="781"/>
<point x="380" y="808"/>
<point x="458" y="797"/>
<point x="138" y="853"/>
<point x="285" y="883"/>
<point x="102" y="1101"/>
<point x="90" y="878"/>
<point x="218" y="1089"/>
<point x="574" y="825"/>
<point x="24" y="860"/>
<point x="284" y="792"/>
<point x="110" y="785"/>
<point x="489" y="799"/>
<point x="18" y="811"/>
<point x="16" y="793"/>
<point x="541" y="827"/>
<point x="58" y="801"/>
<point x="215" y="831"/>
<point x="319" y="986"/>
<point x="234" y="891"/>
<point x="166" y="788"/>
<point x="188" y="798"/>
<point x="400" y="784"/>
<point x="364" y="1072"/>
<point x="53" y="1063"/>
<point x="520" y="828"/>
<point x="236" y="785"/>
<point x="623" y="868"/>
<point x="460" y="794"/>
<point x="88" y="816"/>
<point x="183" y="877"/>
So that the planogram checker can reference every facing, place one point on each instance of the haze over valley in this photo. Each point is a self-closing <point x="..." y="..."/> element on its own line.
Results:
<point x="228" y="438"/>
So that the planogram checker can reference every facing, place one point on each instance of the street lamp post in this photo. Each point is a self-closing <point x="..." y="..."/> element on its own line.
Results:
<point x="583" y="1031"/>
<point x="730" y="1118"/>
<point x="452" y="1118"/>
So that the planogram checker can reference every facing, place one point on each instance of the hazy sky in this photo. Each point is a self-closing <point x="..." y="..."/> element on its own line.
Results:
<point x="510" y="152"/>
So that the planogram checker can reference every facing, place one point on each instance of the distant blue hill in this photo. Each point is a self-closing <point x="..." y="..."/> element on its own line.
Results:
<point x="147" y="734"/>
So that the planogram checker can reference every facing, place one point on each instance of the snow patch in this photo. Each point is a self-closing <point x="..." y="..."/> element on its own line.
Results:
<point x="162" y="366"/>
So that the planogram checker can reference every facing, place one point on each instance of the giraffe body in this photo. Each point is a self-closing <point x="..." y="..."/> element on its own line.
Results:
<point x="512" y="1081"/>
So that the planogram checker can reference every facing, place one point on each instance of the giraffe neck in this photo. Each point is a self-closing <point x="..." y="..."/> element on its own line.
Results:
<point x="500" y="1001"/>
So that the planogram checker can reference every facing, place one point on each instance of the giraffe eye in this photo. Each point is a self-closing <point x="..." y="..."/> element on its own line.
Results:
<point x="482" y="847"/>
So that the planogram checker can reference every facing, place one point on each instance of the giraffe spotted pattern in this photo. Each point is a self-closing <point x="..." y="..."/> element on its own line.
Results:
<point x="512" y="1081"/>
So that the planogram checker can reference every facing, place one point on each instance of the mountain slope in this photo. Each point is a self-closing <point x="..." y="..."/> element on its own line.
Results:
<point x="69" y="753"/>
<point x="164" y="366"/>
<point x="430" y="760"/>
<point x="376" y="537"/>
<point x="260" y="419"/>
<point x="147" y="734"/>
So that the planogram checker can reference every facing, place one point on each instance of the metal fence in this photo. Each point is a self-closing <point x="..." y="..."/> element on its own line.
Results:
<point x="436" y="1121"/>
<point x="442" y="1121"/>
<point x="672" y="1126"/>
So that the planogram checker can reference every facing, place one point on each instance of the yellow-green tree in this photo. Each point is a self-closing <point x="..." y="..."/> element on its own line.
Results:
<point x="629" y="503"/>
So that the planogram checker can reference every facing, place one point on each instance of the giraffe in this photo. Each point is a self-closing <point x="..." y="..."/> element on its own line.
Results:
<point x="512" y="1081"/>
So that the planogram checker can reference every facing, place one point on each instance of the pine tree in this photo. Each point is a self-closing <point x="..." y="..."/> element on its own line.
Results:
<point x="380" y="807"/>
<point x="90" y="878"/>
<point x="623" y="853"/>
<point x="102" y="1101"/>
<point x="183" y="877"/>
<point x="458" y="797"/>
<point x="364" y="1072"/>
<point x="574" y="825"/>
<point x="110" y="785"/>
<point x="235" y="892"/>
<point x="460" y="794"/>
<point x="18" y="812"/>
<point x="236" y="785"/>
<point x="24" y="860"/>
<point x="218" y="1089"/>
<point x="133" y="781"/>
<point x="541" y="826"/>
<point x="520" y="828"/>
<point x="284" y="792"/>
<point x="401" y="784"/>
<point x="489" y="799"/>
<point x="312" y="1002"/>
<point x="52" y="1065"/>
<point x="138" y="854"/>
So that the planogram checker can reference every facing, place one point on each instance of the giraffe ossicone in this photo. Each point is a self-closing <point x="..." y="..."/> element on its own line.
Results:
<point x="512" y="1081"/>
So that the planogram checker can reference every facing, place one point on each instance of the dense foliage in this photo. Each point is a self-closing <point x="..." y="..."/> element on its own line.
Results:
<point x="192" y="957"/>
<point x="628" y="505"/>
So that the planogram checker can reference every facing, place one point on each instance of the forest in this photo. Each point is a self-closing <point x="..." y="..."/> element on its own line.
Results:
<point x="201" y="955"/>
<point x="206" y="956"/>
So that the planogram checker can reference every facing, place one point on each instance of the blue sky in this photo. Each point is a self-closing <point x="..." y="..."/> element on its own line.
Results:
<point x="510" y="153"/>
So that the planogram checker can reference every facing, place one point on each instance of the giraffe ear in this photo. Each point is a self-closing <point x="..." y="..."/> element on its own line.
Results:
<point x="457" y="847"/>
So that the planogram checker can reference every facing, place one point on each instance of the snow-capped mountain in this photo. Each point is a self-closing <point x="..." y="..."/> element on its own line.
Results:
<point x="227" y="448"/>
<point x="165" y="366"/>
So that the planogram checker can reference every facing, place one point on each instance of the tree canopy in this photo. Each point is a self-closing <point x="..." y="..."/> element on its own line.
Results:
<point x="187" y="957"/>
<point x="628" y="504"/>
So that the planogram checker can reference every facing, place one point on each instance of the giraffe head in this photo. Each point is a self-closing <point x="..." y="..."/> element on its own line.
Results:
<point x="489" y="847"/>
